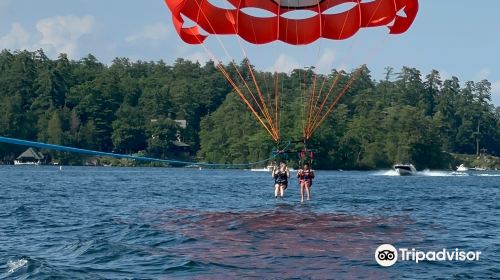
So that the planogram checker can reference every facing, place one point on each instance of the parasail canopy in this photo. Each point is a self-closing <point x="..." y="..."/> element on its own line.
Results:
<point x="262" y="30"/>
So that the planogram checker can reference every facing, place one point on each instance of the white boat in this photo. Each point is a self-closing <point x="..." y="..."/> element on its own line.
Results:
<point x="478" y="169"/>
<point x="462" y="168"/>
<point x="268" y="168"/>
<point x="405" y="169"/>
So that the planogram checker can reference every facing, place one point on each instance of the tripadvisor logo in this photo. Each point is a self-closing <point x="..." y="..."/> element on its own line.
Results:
<point x="387" y="255"/>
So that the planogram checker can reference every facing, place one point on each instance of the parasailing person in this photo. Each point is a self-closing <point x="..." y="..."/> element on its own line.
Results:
<point x="280" y="174"/>
<point x="305" y="176"/>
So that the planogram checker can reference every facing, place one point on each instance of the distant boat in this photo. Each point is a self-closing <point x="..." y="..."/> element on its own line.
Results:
<point x="462" y="168"/>
<point x="405" y="169"/>
<point x="268" y="168"/>
<point x="477" y="169"/>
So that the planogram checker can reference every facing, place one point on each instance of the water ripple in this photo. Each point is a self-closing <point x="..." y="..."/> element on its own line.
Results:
<point x="155" y="223"/>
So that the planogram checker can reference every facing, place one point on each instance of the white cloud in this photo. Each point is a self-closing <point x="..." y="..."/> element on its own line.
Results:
<point x="60" y="34"/>
<point x="343" y="67"/>
<point x="325" y="62"/>
<point x="482" y="74"/>
<point x="17" y="38"/>
<point x="445" y="75"/>
<point x="200" y="57"/>
<point x="153" y="32"/>
<point x="284" y="63"/>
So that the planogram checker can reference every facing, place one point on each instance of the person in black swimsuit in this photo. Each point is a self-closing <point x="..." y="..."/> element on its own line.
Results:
<point x="280" y="176"/>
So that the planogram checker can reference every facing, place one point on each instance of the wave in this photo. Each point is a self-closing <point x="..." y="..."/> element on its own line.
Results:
<point x="15" y="265"/>
<point x="430" y="173"/>
<point x="386" y="173"/>
<point x="427" y="172"/>
<point x="77" y="248"/>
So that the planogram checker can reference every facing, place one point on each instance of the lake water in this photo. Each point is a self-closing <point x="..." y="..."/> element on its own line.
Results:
<point x="116" y="223"/>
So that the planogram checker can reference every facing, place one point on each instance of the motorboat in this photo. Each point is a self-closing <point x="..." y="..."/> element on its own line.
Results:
<point x="462" y="168"/>
<point x="268" y="168"/>
<point x="405" y="169"/>
<point x="478" y="169"/>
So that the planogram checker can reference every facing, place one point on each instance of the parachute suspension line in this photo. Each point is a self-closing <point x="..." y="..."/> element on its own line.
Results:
<point x="245" y="100"/>
<point x="281" y="99"/>
<point x="259" y="92"/>
<point x="315" y="123"/>
<point x="320" y="12"/>
<point x="320" y="22"/>
<point x="307" y="105"/>
<point x="277" y="116"/>
<point x="311" y="115"/>
<point x="316" y="102"/>
<point x="259" y="105"/>
<point x="311" y="99"/>
<point x="269" y="128"/>
<point x="224" y="72"/>
<point x="336" y="100"/>
<point x="320" y="109"/>
<point x="303" y="102"/>
<point x="353" y="78"/>
<point x="262" y="105"/>
<point x="312" y="118"/>
<point x="276" y="101"/>
<point x="305" y="77"/>
<point x="374" y="11"/>
<point x="268" y="90"/>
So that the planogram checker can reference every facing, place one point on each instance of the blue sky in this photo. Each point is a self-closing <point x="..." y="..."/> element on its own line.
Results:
<point x="460" y="38"/>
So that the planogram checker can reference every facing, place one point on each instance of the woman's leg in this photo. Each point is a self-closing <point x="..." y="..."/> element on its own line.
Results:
<point x="308" y="190"/>
<point x="282" y="190"/>
<point x="302" y="187"/>
<point x="276" y="188"/>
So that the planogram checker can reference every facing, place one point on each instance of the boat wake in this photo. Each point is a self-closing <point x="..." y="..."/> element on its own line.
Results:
<point x="386" y="173"/>
<point x="431" y="173"/>
<point x="427" y="172"/>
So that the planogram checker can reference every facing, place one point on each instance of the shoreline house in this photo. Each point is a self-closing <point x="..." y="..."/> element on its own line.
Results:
<point x="180" y="149"/>
<point x="30" y="157"/>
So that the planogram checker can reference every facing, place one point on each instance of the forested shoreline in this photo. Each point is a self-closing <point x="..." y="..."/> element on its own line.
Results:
<point x="131" y="107"/>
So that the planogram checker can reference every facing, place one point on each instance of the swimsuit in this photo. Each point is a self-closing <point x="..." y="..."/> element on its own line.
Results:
<point x="281" y="179"/>
<point x="306" y="176"/>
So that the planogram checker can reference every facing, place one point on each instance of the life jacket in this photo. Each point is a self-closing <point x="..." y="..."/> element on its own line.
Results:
<point x="306" y="175"/>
